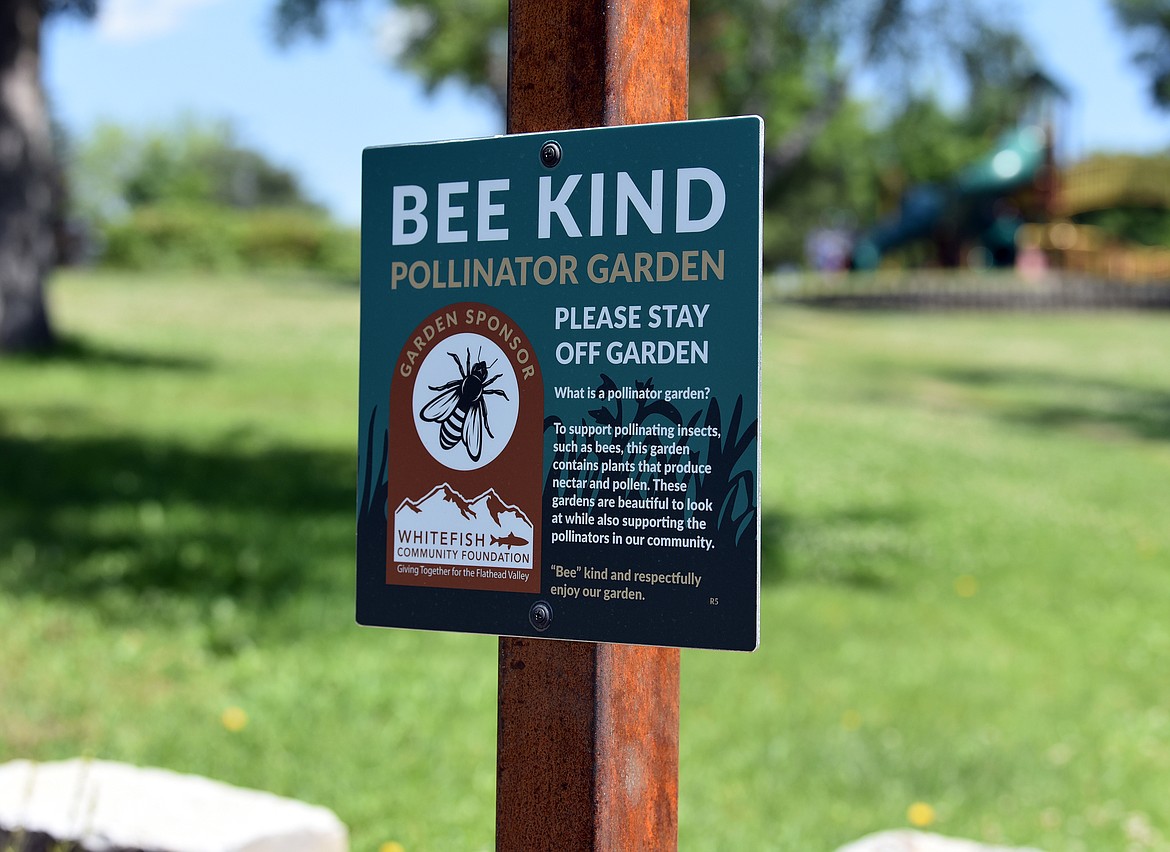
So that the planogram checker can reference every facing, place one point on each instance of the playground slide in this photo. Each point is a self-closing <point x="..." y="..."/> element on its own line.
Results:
<point x="1013" y="163"/>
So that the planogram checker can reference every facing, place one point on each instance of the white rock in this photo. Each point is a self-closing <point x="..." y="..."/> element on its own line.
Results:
<point x="918" y="841"/>
<point x="103" y="805"/>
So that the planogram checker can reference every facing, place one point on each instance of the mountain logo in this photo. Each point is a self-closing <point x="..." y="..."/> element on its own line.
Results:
<point x="445" y="528"/>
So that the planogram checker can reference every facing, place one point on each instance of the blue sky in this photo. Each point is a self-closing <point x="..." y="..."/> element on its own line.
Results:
<point x="314" y="107"/>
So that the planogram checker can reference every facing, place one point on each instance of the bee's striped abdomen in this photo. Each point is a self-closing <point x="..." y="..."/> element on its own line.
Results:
<point x="452" y="429"/>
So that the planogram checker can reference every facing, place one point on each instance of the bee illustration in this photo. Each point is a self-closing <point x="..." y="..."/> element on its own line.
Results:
<point x="461" y="408"/>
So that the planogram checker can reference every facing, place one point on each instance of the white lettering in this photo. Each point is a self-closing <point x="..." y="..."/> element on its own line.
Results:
<point x="401" y="215"/>
<point x="628" y="193"/>
<point x="487" y="210"/>
<point x="683" y="223"/>
<point x="448" y="211"/>
<point x="559" y="205"/>
<point x="596" y="205"/>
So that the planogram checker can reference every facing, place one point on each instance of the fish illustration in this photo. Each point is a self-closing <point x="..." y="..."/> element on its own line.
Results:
<point x="509" y="540"/>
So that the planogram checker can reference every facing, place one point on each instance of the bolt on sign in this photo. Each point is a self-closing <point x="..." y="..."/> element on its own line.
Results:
<point x="560" y="385"/>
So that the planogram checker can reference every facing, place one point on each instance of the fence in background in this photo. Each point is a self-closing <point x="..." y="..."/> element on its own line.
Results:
<point x="964" y="290"/>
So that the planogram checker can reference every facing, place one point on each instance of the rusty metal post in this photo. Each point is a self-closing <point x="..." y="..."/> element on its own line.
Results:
<point x="587" y="742"/>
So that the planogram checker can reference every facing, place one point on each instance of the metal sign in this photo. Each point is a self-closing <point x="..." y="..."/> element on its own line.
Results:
<point x="560" y="385"/>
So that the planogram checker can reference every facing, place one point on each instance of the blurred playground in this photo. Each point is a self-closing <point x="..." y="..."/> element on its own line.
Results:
<point x="1105" y="217"/>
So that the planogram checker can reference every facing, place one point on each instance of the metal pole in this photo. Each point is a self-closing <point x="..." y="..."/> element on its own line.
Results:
<point x="587" y="743"/>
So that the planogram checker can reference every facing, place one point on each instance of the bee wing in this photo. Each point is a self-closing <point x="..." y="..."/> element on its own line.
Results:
<point x="473" y="431"/>
<point x="441" y="407"/>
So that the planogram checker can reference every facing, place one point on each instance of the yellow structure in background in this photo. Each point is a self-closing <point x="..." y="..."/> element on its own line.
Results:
<point x="1103" y="183"/>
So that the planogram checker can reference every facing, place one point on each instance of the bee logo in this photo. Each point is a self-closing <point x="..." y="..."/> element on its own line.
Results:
<point x="460" y="407"/>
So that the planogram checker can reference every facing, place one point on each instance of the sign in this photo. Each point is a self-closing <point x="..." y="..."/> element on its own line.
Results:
<point x="560" y="385"/>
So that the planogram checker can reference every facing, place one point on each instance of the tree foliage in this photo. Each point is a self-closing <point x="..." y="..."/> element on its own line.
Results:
<point x="192" y="195"/>
<point x="790" y="61"/>
<point x="794" y="62"/>
<point x="464" y="41"/>
<point x="1148" y="24"/>
<point x="117" y="169"/>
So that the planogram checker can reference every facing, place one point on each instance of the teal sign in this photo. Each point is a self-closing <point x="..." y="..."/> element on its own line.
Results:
<point x="560" y="385"/>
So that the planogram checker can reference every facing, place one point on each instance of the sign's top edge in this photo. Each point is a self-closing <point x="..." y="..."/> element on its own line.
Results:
<point x="573" y="130"/>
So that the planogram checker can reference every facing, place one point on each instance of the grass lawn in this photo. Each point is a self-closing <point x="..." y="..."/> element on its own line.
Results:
<point x="966" y="597"/>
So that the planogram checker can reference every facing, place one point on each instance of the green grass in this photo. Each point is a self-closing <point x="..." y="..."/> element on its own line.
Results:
<point x="966" y="595"/>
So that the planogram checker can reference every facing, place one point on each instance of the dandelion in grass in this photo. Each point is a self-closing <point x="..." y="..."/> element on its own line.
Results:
<point x="234" y="719"/>
<point x="966" y="586"/>
<point x="920" y="814"/>
<point x="1147" y="548"/>
<point x="391" y="846"/>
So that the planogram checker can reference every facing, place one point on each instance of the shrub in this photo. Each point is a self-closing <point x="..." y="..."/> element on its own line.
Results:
<point x="215" y="238"/>
<point x="171" y="236"/>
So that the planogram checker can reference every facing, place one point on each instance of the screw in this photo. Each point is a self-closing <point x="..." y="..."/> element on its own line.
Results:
<point x="540" y="615"/>
<point x="550" y="154"/>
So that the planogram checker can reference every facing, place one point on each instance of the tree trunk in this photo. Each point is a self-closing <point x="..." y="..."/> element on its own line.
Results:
<point x="27" y="181"/>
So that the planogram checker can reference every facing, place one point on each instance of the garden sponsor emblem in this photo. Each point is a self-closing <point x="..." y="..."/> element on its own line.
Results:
<point x="560" y="385"/>
<point x="465" y="428"/>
